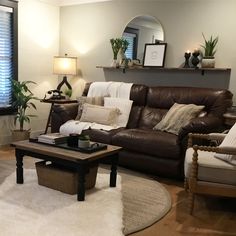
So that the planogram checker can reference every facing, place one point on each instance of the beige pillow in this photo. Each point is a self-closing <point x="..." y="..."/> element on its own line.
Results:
<point x="99" y="114"/>
<point x="177" y="117"/>
<point x="91" y="100"/>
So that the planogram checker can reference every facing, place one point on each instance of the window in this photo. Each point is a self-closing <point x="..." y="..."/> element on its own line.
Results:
<point x="8" y="53"/>
<point x="131" y="35"/>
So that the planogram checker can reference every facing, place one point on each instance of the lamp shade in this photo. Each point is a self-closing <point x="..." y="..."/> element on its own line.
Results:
<point x="65" y="65"/>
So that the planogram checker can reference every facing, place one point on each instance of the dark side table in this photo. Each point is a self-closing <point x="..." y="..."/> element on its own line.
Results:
<point x="52" y="102"/>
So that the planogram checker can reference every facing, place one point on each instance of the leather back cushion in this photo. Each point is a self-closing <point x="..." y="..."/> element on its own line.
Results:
<point x="138" y="93"/>
<point x="161" y="99"/>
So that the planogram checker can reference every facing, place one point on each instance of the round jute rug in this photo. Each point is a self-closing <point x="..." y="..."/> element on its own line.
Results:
<point x="145" y="200"/>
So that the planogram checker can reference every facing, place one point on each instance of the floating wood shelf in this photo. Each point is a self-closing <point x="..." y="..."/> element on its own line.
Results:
<point x="166" y="69"/>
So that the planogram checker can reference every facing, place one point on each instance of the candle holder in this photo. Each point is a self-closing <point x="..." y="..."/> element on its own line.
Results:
<point x="195" y="60"/>
<point x="187" y="56"/>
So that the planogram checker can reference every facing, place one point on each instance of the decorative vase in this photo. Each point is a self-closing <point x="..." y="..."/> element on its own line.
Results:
<point x="114" y="63"/>
<point x="195" y="60"/>
<point x="208" y="62"/>
<point x="121" y="58"/>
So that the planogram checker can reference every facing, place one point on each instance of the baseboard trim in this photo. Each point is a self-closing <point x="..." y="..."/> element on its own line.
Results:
<point x="7" y="139"/>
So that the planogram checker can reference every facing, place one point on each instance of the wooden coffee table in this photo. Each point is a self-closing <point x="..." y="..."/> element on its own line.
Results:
<point x="79" y="161"/>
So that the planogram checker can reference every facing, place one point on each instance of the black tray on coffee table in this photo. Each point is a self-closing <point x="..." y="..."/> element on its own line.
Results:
<point x="94" y="147"/>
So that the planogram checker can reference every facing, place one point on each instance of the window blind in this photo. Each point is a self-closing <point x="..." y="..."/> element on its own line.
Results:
<point x="6" y="55"/>
<point x="129" y="53"/>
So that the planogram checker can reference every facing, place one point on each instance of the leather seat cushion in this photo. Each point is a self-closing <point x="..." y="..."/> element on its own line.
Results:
<point x="210" y="169"/>
<point x="148" y="141"/>
<point x="101" y="136"/>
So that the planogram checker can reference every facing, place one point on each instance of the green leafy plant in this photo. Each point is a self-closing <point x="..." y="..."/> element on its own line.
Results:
<point x="118" y="43"/>
<point x="68" y="92"/>
<point x="209" y="47"/>
<point x="84" y="137"/>
<point x="22" y="100"/>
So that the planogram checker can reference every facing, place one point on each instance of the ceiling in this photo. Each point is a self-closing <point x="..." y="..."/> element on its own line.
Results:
<point x="71" y="2"/>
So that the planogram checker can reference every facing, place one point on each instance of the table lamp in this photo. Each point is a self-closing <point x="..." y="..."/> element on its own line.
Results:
<point x="64" y="66"/>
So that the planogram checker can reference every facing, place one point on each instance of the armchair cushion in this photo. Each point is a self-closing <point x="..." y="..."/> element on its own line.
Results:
<point x="210" y="169"/>
<point x="229" y="141"/>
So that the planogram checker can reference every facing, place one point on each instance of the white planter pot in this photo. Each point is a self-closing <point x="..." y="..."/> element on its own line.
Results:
<point x="83" y="143"/>
<point x="208" y="62"/>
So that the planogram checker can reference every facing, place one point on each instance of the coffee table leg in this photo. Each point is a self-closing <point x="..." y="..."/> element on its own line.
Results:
<point x="81" y="184"/>
<point x="19" y="167"/>
<point x="113" y="174"/>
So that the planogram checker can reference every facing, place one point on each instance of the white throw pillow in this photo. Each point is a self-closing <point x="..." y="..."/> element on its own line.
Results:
<point x="124" y="105"/>
<point x="99" y="114"/>
<point x="229" y="141"/>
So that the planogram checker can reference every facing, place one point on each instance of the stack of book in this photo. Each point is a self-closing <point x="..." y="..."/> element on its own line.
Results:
<point x="53" y="138"/>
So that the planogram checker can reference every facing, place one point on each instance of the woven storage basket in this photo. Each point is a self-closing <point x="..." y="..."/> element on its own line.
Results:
<point x="63" y="179"/>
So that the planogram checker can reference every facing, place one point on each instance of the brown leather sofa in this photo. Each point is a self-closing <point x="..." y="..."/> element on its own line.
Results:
<point x="148" y="150"/>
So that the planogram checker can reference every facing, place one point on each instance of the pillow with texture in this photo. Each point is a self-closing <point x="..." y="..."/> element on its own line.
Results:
<point x="99" y="114"/>
<point x="229" y="141"/>
<point x="124" y="105"/>
<point x="90" y="100"/>
<point x="177" y="117"/>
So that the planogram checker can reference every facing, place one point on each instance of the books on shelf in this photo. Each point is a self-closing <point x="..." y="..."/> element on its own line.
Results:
<point x="53" y="138"/>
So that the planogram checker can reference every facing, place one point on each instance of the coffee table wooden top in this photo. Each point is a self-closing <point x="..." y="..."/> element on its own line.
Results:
<point x="65" y="154"/>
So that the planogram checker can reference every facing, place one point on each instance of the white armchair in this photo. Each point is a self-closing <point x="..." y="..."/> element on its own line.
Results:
<point x="206" y="174"/>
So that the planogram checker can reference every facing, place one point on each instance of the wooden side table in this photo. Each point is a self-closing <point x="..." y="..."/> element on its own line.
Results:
<point x="52" y="102"/>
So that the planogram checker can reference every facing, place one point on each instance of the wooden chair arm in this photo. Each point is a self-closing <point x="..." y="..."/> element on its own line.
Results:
<point x="210" y="136"/>
<point x="222" y="150"/>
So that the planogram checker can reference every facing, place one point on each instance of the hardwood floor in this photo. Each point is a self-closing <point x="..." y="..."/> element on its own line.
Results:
<point x="212" y="216"/>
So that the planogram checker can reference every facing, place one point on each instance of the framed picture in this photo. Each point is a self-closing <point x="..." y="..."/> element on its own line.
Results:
<point x="154" y="55"/>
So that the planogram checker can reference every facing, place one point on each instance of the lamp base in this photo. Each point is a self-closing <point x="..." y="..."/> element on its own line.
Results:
<point x="64" y="81"/>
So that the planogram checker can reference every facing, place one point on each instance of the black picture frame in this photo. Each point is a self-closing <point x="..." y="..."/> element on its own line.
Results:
<point x="154" y="55"/>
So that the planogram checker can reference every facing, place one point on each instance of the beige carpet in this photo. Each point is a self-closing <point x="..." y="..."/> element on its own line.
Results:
<point x="32" y="210"/>
<point x="145" y="200"/>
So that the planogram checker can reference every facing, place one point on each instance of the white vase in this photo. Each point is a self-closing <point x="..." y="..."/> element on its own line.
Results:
<point x="208" y="62"/>
<point x="121" y="57"/>
<point x="114" y="63"/>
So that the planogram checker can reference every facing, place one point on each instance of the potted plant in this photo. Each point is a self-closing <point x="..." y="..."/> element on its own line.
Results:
<point x="208" y="60"/>
<point x="68" y="93"/>
<point x="119" y="45"/>
<point x="22" y="100"/>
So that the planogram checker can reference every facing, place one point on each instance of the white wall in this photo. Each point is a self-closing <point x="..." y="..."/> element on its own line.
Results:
<point x="38" y="43"/>
<point x="87" y="29"/>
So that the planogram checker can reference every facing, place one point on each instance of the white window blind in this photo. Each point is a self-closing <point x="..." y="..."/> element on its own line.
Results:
<point x="129" y="53"/>
<point x="6" y="55"/>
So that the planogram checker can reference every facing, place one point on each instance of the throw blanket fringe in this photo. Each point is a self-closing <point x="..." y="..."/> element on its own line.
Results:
<point x="75" y="126"/>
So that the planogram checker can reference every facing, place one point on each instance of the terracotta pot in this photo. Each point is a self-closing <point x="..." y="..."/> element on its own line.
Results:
<point x="18" y="135"/>
<point x="208" y="62"/>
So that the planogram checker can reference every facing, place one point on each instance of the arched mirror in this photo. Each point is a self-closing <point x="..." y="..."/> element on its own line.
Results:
<point x="139" y="31"/>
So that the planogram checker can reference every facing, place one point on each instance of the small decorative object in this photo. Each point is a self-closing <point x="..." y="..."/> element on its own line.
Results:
<point x="187" y="56"/>
<point x="195" y="60"/>
<point x="22" y="99"/>
<point x="68" y="93"/>
<point x="72" y="140"/>
<point x="154" y="55"/>
<point x="208" y="60"/>
<point x="119" y="45"/>
<point x="84" y="141"/>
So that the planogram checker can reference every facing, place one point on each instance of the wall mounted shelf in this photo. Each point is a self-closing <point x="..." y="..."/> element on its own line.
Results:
<point x="166" y="69"/>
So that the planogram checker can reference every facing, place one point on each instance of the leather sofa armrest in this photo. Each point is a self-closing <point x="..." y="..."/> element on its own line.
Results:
<point x="61" y="114"/>
<point x="201" y="125"/>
